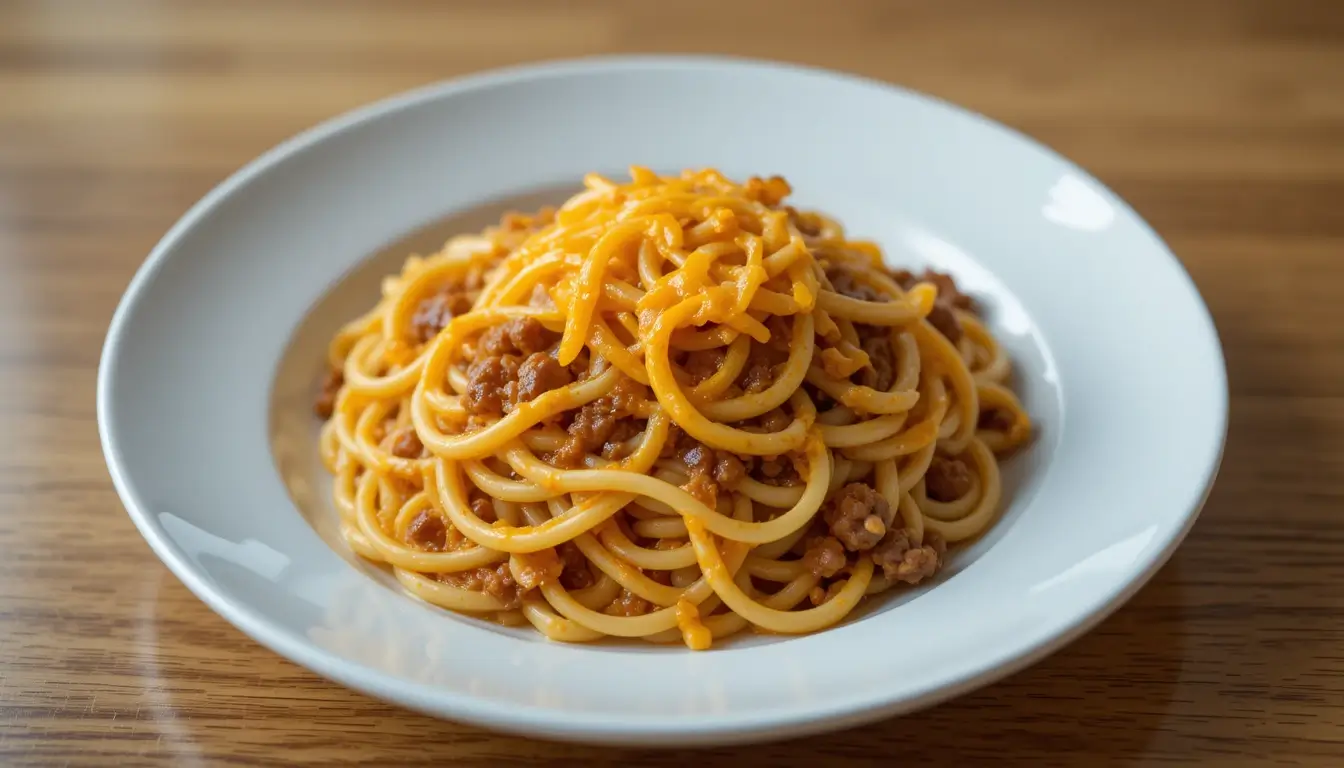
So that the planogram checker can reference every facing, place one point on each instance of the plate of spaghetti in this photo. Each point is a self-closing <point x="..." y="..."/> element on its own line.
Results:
<point x="692" y="429"/>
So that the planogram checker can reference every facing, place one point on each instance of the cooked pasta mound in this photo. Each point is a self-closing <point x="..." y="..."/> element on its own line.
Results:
<point x="672" y="409"/>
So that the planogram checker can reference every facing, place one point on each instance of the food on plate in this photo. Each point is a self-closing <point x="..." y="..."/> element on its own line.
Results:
<point x="673" y="409"/>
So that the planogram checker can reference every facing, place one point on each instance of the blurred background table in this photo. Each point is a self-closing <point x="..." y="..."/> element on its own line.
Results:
<point x="1221" y="121"/>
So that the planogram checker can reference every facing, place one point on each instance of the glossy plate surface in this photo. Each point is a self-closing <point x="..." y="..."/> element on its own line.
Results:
<point x="213" y="357"/>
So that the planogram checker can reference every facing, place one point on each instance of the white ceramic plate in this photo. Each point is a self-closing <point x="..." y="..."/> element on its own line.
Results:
<point x="213" y="358"/>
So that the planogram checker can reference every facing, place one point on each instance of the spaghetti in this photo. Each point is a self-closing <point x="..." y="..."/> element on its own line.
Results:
<point x="672" y="409"/>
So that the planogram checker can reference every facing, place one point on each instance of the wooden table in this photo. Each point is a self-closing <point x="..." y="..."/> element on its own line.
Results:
<point x="1222" y="122"/>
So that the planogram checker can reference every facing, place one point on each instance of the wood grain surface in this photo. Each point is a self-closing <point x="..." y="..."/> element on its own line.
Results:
<point x="1222" y="123"/>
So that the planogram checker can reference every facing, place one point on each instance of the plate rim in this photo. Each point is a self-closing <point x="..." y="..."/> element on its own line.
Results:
<point x="575" y="726"/>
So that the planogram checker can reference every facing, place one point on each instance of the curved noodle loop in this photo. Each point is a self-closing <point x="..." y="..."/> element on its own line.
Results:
<point x="672" y="409"/>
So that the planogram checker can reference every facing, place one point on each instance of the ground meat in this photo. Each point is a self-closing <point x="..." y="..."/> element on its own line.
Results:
<point x="532" y="569"/>
<point x="728" y="469"/>
<point x="880" y="373"/>
<point x="574" y="573"/>
<point x="858" y="516"/>
<point x="483" y="508"/>
<point x="523" y="335"/>
<point x="433" y="312"/>
<point x="626" y="395"/>
<point x="900" y="560"/>
<point x="698" y="458"/>
<point x="781" y="336"/>
<point x="949" y="298"/>
<point x="846" y="283"/>
<point x="945" y="321"/>
<point x="406" y="444"/>
<point x="947" y="479"/>
<point x="995" y="420"/>
<point x="903" y="277"/>
<point x="777" y="470"/>
<point x="428" y="532"/>
<point x="628" y="604"/>
<point x="709" y="470"/>
<point x="943" y="316"/>
<point x="757" y="376"/>
<point x="498" y="382"/>
<point x="774" y="420"/>
<point x="540" y="373"/>
<point x="492" y="384"/>
<point x="825" y="556"/>
<point x="326" y="399"/>
<point x="674" y="438"/>
<point x="579" y="368"/>
<point x="947" y="289"/>
<point x="703" y="488"/>
<point x="702" y="364"/>
<point x="616" y="447"/>
<point x="763" y="359"/>
<point x="772" y="466"/>
<point x="569" y="455"/>
<point x="492" y="580"/>
<point x="595" y="424"/>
